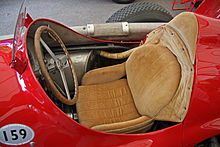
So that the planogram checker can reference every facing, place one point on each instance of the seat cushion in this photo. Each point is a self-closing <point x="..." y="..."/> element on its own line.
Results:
<point x="105" y="104"/>
<point x="153" y="75"/>
<point x="138" y="125"/>
<point x="104" y="74"/>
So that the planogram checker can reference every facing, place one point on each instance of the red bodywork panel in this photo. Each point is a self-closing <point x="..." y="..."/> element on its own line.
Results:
<point x="23" y="101"/>
<point x="202" y="120"/>
<point x="209" y="8"/>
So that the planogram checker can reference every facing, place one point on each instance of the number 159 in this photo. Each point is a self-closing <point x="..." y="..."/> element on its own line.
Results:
<point x="14" y="134"/>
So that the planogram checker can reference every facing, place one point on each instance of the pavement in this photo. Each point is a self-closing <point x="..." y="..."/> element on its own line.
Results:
<point x="68" y="12"/>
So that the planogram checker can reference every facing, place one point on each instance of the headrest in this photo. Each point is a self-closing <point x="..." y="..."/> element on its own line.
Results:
<point x="186" y="25"/>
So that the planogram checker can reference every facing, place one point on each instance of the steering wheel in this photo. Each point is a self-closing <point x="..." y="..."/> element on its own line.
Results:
<point x="60" y="63"/>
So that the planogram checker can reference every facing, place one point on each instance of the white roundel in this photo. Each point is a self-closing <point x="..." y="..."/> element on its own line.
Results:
<point x="16" y="134"/>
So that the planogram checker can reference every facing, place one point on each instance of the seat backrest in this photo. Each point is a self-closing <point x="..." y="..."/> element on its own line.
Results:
<point x="153" y="75"/>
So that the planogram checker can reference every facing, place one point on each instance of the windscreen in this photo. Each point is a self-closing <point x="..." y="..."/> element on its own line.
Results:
<point x="19" y="30"/>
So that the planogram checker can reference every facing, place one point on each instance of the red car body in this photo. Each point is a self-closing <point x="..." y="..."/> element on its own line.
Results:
<point x="24" y="101"/>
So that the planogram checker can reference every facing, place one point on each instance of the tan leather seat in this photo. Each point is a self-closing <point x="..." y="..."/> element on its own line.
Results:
<point x="156" y="74"/>
<point x="111" y="104"/>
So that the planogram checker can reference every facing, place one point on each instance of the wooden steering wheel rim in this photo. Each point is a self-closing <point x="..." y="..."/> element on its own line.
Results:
<point x="43" y="68"/>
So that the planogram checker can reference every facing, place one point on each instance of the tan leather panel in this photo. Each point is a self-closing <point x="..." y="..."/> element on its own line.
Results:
<point x="186" y="25"/>
<point x="103" y="75"/>
<point x="105" y="103"/>
<point x="153" y="74"/>
<point x="137" y="125"/>
<point x="166" y="36"/>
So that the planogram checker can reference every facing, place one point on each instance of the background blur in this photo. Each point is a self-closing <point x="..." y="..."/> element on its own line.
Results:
<point x="68" y="12"/>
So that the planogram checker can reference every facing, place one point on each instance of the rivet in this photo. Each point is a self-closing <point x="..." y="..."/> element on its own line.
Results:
<point x="183" y="48"/>
<point x="32" y="143"/>
<point x="172" y="33"/>
<point x="191" y="69"/>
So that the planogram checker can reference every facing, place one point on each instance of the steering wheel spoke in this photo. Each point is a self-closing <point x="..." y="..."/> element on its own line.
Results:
<point x="65" y="83"/>
<point x="48" y="49"/>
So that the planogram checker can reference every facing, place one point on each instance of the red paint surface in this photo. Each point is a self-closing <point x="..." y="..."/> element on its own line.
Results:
<point x="203" y="117"/>
<point x="23" y="101"/>
<point x="210" y="8"/>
